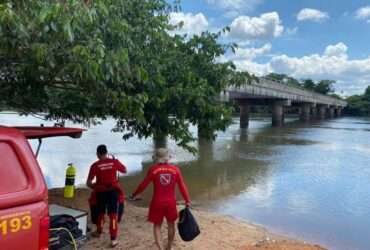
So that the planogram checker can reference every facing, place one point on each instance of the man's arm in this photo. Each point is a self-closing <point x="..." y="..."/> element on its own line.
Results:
<point x="148" y="178"/>
<point x="120" y="167"/>
<point x="90" y="184"/>
<point x="90" y="177"/>
<point x="183" y="188"/>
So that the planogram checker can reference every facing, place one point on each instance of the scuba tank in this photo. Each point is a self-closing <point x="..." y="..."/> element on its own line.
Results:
<point x="70" y="181"/>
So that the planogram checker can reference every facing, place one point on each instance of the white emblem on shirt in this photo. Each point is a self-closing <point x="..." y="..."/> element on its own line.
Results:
<point x="105" y="166"/>
<point x="165" y="179"/>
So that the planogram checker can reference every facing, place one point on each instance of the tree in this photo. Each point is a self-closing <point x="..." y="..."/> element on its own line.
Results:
<point x="82" y="60"/>
<point x="74" y="60"/>
<point x="359" y="105"/>
<point x="284" y="79"/>
<point x="324" y="87"/>
<point x="309" y="84"/>
<point x="367" y="94"/>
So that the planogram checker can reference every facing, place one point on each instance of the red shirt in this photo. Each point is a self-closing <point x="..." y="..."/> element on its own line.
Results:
<point x="164" y="177"/>
<point x="105" y="172"/>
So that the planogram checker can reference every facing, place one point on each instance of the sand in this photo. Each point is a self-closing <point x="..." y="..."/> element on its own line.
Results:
<point x="218" y="232"/>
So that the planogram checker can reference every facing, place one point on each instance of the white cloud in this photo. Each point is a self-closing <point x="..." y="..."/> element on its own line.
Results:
<point x="231" y="14"/>
<point x="291" y="31"/>
<point x="243" y="59"/>
<point x="253" y="67"/>
<point x="193" y="24"/>
<point x="308" y="14"/>
<point x="251" y="53"/>
<point x="363" y="13"/>
<point x="332" y="64"/>
<point x="235" y="5"/>
<point x="266" y="26"/>
<point x="337" y="50"/>
<point x="352" y="76"/>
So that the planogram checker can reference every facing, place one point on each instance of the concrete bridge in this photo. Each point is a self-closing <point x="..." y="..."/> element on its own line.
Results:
<point x="278" y="96"/>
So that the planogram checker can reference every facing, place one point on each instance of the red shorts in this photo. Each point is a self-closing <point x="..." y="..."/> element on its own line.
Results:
<point x="160" y="210"/>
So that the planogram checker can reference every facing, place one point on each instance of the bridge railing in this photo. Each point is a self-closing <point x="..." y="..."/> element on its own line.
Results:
<point x="269" y="88"/>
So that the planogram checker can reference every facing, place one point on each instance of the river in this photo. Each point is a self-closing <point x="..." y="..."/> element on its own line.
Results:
<point x="309" y="181"/>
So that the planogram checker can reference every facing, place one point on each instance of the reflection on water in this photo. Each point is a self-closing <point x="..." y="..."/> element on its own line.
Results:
<point x="307" y="180"/>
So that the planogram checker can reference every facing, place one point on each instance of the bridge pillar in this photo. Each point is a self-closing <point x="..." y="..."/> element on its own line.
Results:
<point x="244" y="114"/>
<point x="314" y="112"/>
<point x="278" y="113"/>
<point x="305" y="112"/>
<point x="339" y="112"/>
<point x="331" y="112"/>
<point x="322" y="112"/>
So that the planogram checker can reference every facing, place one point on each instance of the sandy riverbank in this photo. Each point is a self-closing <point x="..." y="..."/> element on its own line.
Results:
<point x="217" y="232"/>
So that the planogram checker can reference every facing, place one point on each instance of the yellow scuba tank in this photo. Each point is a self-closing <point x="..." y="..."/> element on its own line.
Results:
<point x="70" y="181"/>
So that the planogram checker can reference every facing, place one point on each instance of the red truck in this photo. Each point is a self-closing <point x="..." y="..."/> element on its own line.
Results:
<point x="24" y="216"/>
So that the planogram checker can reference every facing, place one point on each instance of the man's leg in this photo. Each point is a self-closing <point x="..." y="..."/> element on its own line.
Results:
<point x="112" y="211"/>
<point x="157" y="235"/>
<point x="171" y="234"/>
<point x="171" y="217"/>
<point x="99" y="225"/>
<point x="101" y="213"/>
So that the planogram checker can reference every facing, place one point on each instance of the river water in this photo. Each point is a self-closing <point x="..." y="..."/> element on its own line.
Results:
<point x="309" y="181"/>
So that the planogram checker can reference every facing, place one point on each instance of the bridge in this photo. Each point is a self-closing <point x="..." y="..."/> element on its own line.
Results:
<point x="278" y="95"/>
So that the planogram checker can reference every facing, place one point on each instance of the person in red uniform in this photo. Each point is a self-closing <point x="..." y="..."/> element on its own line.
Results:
<point x="107" y="189"/>
<point x="165" y="177"/>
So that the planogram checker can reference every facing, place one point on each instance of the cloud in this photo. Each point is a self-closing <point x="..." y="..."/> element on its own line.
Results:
<point x="243" y="59"/>
<point x="231" y="14"/>
<point x="314" y="15"/>
<point x="266" y="26"/>
<point x="193" y="24"/>
<point x="235" y="5"/>
<point x="291" y="31"/>
<point x="337" y="50"/>
<point x="332" y="64"/>
<point x="251" y="53"/>
<point x="352" y="76"/>
<point x="363" y="13"/>
<point x="253" y="67"/>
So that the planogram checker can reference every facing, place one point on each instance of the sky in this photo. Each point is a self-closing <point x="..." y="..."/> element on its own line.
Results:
<point x="316" y="39"/>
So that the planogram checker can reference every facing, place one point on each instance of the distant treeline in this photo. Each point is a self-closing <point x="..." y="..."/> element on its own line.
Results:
<point x="324" y="87"/>
<point x="359" y="105"/>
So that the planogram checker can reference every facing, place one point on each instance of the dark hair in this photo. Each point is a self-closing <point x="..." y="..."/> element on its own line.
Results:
<point x="101" y="150"/>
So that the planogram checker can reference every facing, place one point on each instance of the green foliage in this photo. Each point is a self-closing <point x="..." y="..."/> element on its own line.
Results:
<point x="82" y="60"/>
<point x="324" y="87"/>
<point x="309" y="84"/>
<point x="359" y="105"/>
<point x="284" y="79"/>
<point x="336" y="96"/>
<point x="367" y="94"/>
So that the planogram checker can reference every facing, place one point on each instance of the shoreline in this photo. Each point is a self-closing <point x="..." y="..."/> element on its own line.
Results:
<point x="217" y="231"/>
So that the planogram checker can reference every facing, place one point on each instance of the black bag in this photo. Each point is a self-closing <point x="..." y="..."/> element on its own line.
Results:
<point x="60" y="239"/>
<point x="187" y="225"/>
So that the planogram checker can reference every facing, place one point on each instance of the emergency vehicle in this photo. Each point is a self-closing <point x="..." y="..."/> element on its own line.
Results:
<point x="24" y="216"/>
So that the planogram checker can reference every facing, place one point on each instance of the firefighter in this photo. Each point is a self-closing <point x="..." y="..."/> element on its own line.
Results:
<point x="165" y="177"/>
<point x="107" y="190"/>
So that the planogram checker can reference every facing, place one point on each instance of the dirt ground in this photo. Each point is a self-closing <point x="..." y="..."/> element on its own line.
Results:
<point x="217" y="232"/>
